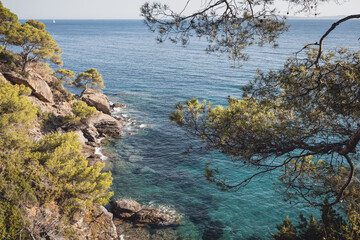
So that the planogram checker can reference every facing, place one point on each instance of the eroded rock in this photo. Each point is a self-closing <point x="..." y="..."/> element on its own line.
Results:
<point x="106" y="125"/>
<point x="97" y="99"/>
<point x="39" y="87"/>
<point x="124" y="208"/>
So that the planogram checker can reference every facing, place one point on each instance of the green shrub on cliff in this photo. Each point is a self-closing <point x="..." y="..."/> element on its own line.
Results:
<point x="69" y="180"/>
<point x="81" y="112"/>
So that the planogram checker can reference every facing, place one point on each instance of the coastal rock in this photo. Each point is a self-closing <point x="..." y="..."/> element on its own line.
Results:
<point x="118" y="105"/>
<point x="98" y="222"/>
<point x="40" y="88"/>
<point x="97" y="99"/>
<point x="47" y="222"/>
<point x="106" y="125"/>
<point x="91" y="134"/>
<point x="124" y="208"/>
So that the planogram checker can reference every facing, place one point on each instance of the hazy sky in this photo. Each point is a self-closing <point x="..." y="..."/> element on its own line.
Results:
<point x="126" y="9"/>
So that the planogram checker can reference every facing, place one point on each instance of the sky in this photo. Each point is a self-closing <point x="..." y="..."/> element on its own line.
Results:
<point x="129" y="9"/>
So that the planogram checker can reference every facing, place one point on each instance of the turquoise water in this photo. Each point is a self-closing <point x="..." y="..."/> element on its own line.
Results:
<point x="160" y="164"/>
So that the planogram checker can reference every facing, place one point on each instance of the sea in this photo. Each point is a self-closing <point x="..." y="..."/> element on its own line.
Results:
<point x="156" y="162"/>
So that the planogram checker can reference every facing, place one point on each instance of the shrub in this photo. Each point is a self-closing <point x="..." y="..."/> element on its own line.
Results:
<point x="81" y="112"/>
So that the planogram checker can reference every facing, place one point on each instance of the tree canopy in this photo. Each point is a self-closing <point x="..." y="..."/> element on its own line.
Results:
<point x="65" y="75"/>
<point x="34" y="40"/>
<point x="229" y="26"/>
<point x="90" y="77"/>
<point x="8" y="22"/>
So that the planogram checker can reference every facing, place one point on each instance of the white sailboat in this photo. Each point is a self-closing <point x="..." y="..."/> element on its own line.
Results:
<point x="53" y="20"/>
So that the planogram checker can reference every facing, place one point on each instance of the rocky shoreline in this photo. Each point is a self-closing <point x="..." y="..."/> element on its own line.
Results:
<point x="125" y="218"/>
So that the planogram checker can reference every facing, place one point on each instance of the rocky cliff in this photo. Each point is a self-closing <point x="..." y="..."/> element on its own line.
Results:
<point x="129" y="220"/>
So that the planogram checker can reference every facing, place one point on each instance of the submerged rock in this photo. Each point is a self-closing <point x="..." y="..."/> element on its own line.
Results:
<point x="135" y="158"/>
<point x="124" y="208"/>
<point x="165" y="234"/>
<point x="137" y="234"/>
<point x="97" y="99"/>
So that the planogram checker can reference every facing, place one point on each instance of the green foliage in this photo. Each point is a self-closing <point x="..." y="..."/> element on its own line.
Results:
<point x="70" y="181"/>
<point x="8" y="22"/>
<point x="90" y="76"/>
<point x="331" y="226"/>
<point x="229" y="27"/>
<point x="10" y="221"/>
<point x="57" y="84"/>
<point x="65" y="75"/>
<point x="286" y="231"/>
<point x="16" y="112"/>
<point x="81" y="112"/>
<point x="11" y="60"/>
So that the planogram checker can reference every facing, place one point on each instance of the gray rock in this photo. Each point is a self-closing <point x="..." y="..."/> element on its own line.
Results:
<point x="97" y="99"/>
<point x="124" y="208"/>
<point x="40" y="88"/>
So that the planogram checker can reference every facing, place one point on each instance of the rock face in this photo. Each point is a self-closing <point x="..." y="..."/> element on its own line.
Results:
<point x="39" y="88"/>
<point x="124" y="208"/>
<point x="97" y="99"/>
<point x="98" y="223"/>
<point x="47" y="223"/>
<point x="106" y="125"/>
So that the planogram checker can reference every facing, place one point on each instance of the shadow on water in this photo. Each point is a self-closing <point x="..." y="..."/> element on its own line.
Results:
<point x="213" y="230"/>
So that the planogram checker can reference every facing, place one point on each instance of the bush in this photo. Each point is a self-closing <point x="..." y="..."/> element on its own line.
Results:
<point x="11" y="60"/>
<point x="81" y="112"/>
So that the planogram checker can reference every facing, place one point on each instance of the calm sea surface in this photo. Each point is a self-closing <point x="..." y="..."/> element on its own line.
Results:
<point x="160" y="165"/>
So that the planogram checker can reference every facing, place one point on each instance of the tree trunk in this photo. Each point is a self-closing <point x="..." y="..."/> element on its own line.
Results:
<point x="26" y="61"/>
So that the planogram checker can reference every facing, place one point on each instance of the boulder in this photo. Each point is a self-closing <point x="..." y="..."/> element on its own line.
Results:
<point x="97" y="99"/>
<point x="124" y="208"/>
<point x="40" y="88"/>
<point x="106" y="125"/>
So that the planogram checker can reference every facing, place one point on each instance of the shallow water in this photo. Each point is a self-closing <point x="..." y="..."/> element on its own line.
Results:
<point x="160" y="164"/>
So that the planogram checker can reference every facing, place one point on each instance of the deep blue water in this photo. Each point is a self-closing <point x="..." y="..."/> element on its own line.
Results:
<point x="154" y="166"/>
